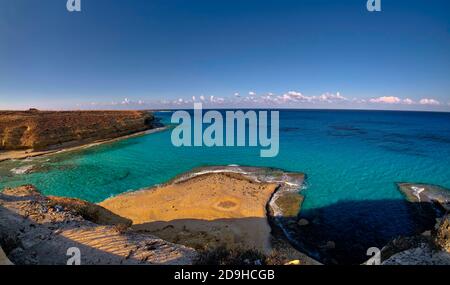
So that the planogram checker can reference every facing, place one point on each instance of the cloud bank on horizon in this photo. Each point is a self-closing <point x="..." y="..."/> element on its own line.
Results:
<point x="290" y="99"/>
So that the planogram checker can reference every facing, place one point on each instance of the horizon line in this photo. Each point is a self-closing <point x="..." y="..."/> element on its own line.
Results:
<point x="223" y="108"/>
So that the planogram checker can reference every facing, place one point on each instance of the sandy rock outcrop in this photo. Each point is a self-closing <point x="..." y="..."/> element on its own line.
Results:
<point x="222" y="210"/>
<point x="215" y="209"/>
<point x="42" y="130"/>
<point x="35" y="230"/>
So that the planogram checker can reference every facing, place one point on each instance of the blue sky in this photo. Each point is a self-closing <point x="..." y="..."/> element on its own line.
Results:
<point x="225" y="53"/>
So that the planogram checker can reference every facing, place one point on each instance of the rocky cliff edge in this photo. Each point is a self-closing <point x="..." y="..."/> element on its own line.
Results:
<point x="35" y="229"/>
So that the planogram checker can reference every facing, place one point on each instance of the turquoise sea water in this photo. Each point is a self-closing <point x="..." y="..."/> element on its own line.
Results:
<point x="352" y="160"/>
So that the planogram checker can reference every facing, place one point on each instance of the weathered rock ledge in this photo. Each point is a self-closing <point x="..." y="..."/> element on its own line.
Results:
<point x="35" y="229"/>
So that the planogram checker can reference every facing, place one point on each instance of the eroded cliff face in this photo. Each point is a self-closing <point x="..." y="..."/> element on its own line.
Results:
<point x="41" y="130"/>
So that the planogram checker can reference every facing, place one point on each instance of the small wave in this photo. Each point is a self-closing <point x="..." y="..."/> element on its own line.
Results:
<point x="202" y="172"/>
<point x="22" y="170"/>
<point x="304" y="186"/>
<point x="417" y="191"/>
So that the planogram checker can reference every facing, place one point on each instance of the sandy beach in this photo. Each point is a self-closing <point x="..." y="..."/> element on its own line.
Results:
<point x="204" y="211"/>
<point x="71" y="146"/>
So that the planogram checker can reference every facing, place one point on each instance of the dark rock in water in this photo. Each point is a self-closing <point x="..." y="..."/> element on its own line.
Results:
<point x="426" y="193"/>
<point x="290" y="204"/>
<point x="329" y="245"/>
<point x="303" y="222"/>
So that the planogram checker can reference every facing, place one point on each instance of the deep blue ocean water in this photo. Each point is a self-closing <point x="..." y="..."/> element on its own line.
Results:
<point x="352" y="160"/>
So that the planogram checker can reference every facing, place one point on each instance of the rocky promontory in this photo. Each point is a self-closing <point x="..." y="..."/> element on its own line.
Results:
<point x="234" y="207"/>
<point x="43" y="130"/>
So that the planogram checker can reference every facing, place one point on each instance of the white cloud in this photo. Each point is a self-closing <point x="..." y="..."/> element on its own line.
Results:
<point x="386" y="100"/>
<point x="408" y="101"/>
<point x="427" y="101"/>
<point x="290" y="98"/>
<point x="218" y="100"/>
<point x="294" y="96"/>
<point x="330" y="97"/>
<point x="358" y="101"/>
<point x="126" y="101"/>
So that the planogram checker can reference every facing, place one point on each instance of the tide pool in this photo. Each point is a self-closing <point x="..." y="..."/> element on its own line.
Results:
<point x="352" y="160"/>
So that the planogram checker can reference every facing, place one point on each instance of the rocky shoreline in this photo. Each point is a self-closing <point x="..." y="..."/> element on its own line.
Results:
<point x="211" y="207"/>
<point x="48" y="226"/>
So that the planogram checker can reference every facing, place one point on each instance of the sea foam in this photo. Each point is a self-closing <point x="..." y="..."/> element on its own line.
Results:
<point x="22" y="170"/>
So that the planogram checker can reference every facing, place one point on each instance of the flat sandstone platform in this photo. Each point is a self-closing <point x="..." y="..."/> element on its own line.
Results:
<point x="204" y="211"/>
